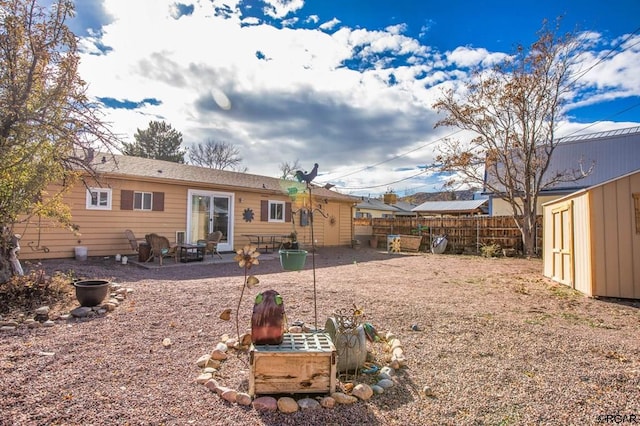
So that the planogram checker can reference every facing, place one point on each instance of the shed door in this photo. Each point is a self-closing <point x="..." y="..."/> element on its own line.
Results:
<point x="562" y="244"/>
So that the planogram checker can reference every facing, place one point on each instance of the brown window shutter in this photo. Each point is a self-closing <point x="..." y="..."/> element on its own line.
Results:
<point x="287" y="212"/>
<point x="126" y="199"/>
<point x="264" y="210"/>
<point x="158" y="202"/>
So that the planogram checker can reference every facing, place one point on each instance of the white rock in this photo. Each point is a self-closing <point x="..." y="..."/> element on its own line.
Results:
<point x="287" y="405"/>
<point x="203" y="360"/>
<point x="166" y="342"/>
<point x="209" y="370"/>
<point x="387" y="370"/>
<point x="224" y="337"/>
<point x="48" y="323"/>
<point x="295" y="329"/>
<point x="222" y="347"/>
<point x="204" y="378"/>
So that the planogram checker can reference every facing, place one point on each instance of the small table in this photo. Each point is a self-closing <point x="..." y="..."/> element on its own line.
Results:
<point x="190" y="252"/>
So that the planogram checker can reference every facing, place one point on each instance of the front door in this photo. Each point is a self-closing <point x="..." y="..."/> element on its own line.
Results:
<point x="209" y="212"/>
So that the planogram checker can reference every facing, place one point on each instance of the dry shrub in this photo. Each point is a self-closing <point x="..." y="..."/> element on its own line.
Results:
<point x="26" y="293"/>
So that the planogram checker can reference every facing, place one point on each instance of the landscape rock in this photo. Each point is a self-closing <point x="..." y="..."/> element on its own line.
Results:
<point x="385" y="383"/>
<point x="287" y="405"/>
<point x="82" y="312"/>
<point x="342" y="398"/>
<point x="243" y="399"/>
<point x="328" y="402"/>
<point x="265" y="403"/>
<point x="308" y="404"/>
<point x="204" y="378"/>
<point x="212" y="385"/>
<point x="229" y="395"/>
<point x="362" y="391"/>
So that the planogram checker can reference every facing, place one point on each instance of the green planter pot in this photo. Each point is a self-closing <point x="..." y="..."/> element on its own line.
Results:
<point x="292" y="260"/>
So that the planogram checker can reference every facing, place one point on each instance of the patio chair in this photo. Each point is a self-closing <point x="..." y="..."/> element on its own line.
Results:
<point x="133" y="241"/>
<point x="212" y="241"/>
<point x="160" y="247"/>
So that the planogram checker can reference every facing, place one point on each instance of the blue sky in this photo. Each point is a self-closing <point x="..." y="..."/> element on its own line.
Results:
<point x="347" y="84"/>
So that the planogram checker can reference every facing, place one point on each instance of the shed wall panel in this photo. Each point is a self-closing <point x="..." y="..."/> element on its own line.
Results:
<point x="581" y="244"/>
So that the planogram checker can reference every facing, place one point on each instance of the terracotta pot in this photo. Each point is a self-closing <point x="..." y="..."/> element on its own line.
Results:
<point x="91" y="292"/>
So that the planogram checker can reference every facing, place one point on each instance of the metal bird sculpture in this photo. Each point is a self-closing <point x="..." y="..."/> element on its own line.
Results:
<point x="307" y="177"/>
<point x="267" y="321"/>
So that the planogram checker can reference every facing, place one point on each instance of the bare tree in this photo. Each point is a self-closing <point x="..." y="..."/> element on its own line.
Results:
<point x="216" y="155"/>
<point x="514" y="109"/>
<point x="289" y="169"/>
<point x="49" y="129"/>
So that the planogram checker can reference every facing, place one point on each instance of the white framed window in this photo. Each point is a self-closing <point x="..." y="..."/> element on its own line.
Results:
<point x="99" y="199"/>
<point x="276" y="211"/>
<point x="142" y="200"/>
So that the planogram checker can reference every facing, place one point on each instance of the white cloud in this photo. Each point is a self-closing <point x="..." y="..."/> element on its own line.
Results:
<point x="281" y="94"/>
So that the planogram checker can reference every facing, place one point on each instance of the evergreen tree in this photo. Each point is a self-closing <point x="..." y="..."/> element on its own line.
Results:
<point x="160" y="141"/>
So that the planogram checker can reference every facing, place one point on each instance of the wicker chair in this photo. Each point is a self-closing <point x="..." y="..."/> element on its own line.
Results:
<point x="212" y="241"/>
<point x="160" y="247"/>
<point x="133" y="241"/>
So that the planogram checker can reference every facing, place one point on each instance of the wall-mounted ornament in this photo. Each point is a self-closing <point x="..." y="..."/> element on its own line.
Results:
<point x="247" y="215"/>
<point x="332" y="221"/>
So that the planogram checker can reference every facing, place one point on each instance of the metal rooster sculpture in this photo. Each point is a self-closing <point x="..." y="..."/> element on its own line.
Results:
<point x="307" y="177"/>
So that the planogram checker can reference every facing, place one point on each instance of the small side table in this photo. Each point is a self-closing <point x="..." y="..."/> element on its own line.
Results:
<point x="190" y="252"/>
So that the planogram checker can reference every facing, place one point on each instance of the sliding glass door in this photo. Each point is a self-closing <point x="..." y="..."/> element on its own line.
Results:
<point x="209" y="212"/>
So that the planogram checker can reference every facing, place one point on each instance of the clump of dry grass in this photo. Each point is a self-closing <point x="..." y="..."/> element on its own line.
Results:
<point x="25" y="293"/>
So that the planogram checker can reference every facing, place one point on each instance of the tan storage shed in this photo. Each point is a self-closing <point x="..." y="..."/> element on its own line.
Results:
<point x="592" y="239"/>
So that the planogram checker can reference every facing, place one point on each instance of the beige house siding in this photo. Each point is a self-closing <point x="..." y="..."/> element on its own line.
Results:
<point x="102" y="231"/>
<point x="500" y="207"/>
<point x="606" y="246"/>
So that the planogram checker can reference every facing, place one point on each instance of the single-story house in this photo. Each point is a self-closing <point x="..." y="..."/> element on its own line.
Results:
<point x="592" y="238"/>
<point x="452" y="208"/>
<point x="388" y="207"/>
<point x="594" y="158"/>
<point x="184" y="203"/>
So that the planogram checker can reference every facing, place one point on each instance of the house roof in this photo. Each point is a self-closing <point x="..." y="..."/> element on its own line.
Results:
<point x="583" y="190"/>
<point x="612" y="154"/>
<point x="399" y="208"/>
<point x="150" y="169"/>
<point x="444" y="207"/>
<point x="596" y="157"/>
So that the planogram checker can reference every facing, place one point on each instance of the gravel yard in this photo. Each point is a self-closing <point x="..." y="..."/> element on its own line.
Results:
<point x="497" y="344"/>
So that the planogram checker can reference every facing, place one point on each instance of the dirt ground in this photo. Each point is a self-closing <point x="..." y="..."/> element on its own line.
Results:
<point x="496" y="343"/>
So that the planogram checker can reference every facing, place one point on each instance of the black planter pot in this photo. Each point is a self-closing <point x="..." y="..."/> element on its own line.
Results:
<point x="91" y="292"/>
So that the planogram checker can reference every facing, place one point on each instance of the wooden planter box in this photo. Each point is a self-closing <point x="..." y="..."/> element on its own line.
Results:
<point x="410" y="242"/>
<point x="302" y="363"/>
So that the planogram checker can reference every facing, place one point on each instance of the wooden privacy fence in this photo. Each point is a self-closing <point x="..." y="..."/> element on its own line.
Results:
<point x="468" y="233"/>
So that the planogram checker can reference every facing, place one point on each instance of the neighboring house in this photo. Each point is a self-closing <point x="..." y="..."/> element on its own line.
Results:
<point x="452" y="208"/>
<point x="592" y="238"/>
<point x="185" y="203"/>
<point x="596" y="157"/>
<point x="388" y="207"/>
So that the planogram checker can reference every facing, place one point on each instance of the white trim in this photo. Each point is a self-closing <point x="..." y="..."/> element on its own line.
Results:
<point x="89" y="199"/>
<point x="224" y="246"/>
<point x="284" y="212"/>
